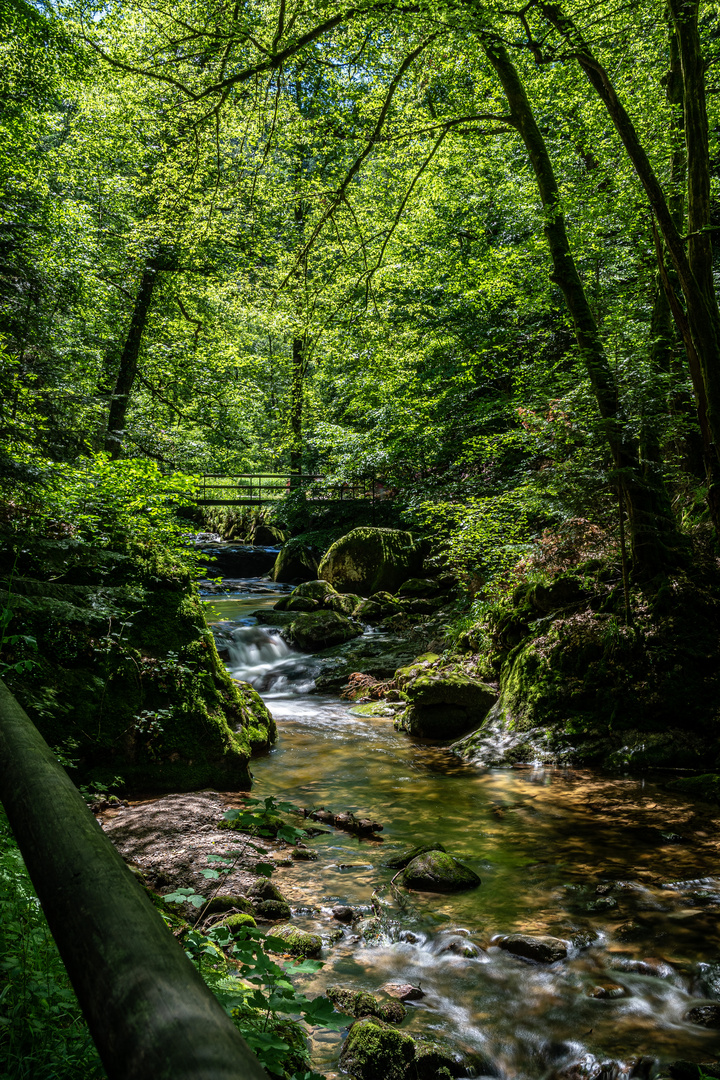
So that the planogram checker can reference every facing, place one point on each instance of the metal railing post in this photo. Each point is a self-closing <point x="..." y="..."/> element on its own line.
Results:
<point x="149" y="1012"/>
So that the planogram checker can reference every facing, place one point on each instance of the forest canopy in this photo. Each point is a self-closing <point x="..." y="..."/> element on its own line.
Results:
<point x="460" y="249"/>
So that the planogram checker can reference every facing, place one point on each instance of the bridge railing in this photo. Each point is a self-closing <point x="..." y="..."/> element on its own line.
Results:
<point x="149" y="1012"/>
<point x="259" y="489"/>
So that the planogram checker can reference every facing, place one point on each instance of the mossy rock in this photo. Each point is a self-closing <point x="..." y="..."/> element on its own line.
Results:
<point x="369" y="560"/>
<point x="272" y="910"/>
<point x="373" y="1050"/>
<point x="367" y="611"/>
<point x="343" y="603"/>
<point x="316" y="590"/>
<point x="264" y="889"/>
<point x="362" y="1003"/>
<point x="225" y="902"/>
<point x="235" y="922"/>
<point x="399" y="862"/>
<point x="266" y="535"/>
<point x="418" y="587"/>
<point x="542" y="949"/>
<point x="295" y="563"/>
<point x="435" y="1060"/>
<point x="293" y="940"/>
<point x="162" y="708"/>
<point x="321" y="630"/>
<point x="436" y="871"/>
<point x="445" y="686"/>
<point x="705" y="787"/>
<point x="297" y="603"/>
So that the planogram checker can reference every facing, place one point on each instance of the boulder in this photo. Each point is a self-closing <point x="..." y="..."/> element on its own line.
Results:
<point x="319" y="630"/>
<point x="418" y="587"/>
<point x="224" y="902"/>
<point x="318" y="590"/>
<point x="296" y="603"/>
<point x="235" y="922"/>
<point x="399" y="862"/>
<point x="436" y="871"/>
<point x="368" y="611"/>
<point x="543" y="950"/>
<point x="265" y="535"/>
<point x="707" y="1016"/>
<point x="444" y="702"/>
<point x="272" y="910"/>
<point x="343" y="603"/>
<point x="361" y="1003"/>
<point x="373" y="1050"/>
<point x="295" y="563"/>
<point x="291" y="939"/>
<point x="368" y="560"/>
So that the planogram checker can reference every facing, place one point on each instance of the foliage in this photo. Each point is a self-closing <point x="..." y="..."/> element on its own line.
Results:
<point x="42" y="1032"/>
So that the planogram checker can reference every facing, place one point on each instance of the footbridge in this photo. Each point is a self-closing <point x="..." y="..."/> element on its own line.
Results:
<point x="263" y="489"/>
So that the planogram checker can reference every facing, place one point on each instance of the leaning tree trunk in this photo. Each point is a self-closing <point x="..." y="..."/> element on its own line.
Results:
<point x="297" y="387"/>
<point x="129" y="361"/>
<point x="652" y="533"/>
<point x="703" y="319"/>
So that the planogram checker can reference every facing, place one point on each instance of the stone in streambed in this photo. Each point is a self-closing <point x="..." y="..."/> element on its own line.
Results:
<point x="225" y="902"/>
<point x="707" y="1016"/>
<point x="419" y="587"/>
<point x="343" y="603"/>
<point x="361" y="1003"/>
<point x="343" y="913"/>
<point x="403" y="991"/>
<point x="297" y="603"/>
<point x="270" y="904"/>
<point x="295" y="562"/>
<point x="375" y="1051"/>
<point x="542" y="950"/>
<point x="235" y="922"/>
<point x="319" y="630"/>
<point x="317" y="590"/>
<point x="368" y="560"/>
<point x="436" y="871"/>
<point x="293" y="940"/>
<point x="399" y="862"/>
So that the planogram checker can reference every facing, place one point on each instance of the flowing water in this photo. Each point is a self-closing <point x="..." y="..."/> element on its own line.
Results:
<point x="617" y="861"/>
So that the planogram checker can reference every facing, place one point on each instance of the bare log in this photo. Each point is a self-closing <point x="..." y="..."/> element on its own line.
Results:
<point x="149" y="1012"/>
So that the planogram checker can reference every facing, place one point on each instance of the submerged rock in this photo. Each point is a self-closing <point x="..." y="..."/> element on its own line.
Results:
<point x="368" y="560"/>
<point x="543" y="950"/>
<point x="436" y="871"/>
<point x="295" y="941"/>
<point x="320" y="630"/>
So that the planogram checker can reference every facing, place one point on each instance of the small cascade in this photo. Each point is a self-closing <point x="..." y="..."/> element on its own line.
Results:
<point x="261" y="657"/>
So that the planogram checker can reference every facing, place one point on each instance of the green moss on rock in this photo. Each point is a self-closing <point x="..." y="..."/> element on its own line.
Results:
<point x="235" y="922"/>
<point x="368" y="560"/>
<point x="321" y="630"/>
<point x="293" y="940"/>
<point x="705" y="787"/>
<point x="375" y="1051"/>
<point x="436" y="871"/>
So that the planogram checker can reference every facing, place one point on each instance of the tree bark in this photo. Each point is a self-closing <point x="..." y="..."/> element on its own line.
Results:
<point x="129" y="361"/>
<point x="702" y="311"/>
<point x="149" y="1012"/>
<point x="652" y="534"/>
<point x="297" y="387"/>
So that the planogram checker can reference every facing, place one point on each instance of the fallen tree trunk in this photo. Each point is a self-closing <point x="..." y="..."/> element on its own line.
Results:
<point x="149" y="1012"/>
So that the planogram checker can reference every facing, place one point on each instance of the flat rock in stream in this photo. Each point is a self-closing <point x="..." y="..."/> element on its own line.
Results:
<point x="542" y="950"/>
<point x="436" y="871"/>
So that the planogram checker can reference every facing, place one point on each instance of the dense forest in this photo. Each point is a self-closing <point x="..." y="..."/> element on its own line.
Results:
<point x="441" y="276"/>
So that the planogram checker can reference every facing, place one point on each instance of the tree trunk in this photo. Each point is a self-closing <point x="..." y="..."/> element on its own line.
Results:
<point x="129" y="361"/>
<point x="149" y="1012"/>
<point x="702" y="311"/>
<point x="297" y="386"/>
<point x="652" y="534"/>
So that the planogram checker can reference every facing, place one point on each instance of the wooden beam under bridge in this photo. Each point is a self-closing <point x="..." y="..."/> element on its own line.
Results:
<point x="149" y="1012"/>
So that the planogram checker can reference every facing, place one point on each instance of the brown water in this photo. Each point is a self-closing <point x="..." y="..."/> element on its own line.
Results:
<point x="543" y="841"/>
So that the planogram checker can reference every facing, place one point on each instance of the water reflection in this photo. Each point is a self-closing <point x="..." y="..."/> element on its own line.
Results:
<point x="623" y="871"/>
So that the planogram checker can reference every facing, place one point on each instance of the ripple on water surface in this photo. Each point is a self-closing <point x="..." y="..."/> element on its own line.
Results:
<point x="614" y="862"/>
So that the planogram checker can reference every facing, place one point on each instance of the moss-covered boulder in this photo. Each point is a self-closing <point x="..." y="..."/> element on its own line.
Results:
<point x="293" y="940"/>
<point x="362" y="1003"/>
<point x="367" y="611"/>
<point x="295" y="562"/>
<point x="268" y="535"/>
<point x="317" y="590"/>
<point x="444" y="700"/>
<point x="238" y="921"/>
<point x="436" y="871"/>
<point x="320" y="630"/>
<point x="297" y="603"/>
<point x="226" y="902"/>
<point x="368" y="560"/>
<point x="374" y="1050"/>
<point x="343" y="603"/>
<point x="127" y="679"/>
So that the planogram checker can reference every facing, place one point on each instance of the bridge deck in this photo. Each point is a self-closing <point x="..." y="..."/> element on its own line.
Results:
<point x="263" y="489"/>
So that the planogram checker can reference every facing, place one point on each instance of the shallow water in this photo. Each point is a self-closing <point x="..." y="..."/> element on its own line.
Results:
<point x="542" y="840"/>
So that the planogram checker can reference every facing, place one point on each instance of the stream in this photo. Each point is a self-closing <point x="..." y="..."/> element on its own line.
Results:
<point x="625" y="872"/>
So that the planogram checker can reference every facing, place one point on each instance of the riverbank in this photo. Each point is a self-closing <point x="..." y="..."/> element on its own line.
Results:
<point x="618" y="868"/>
